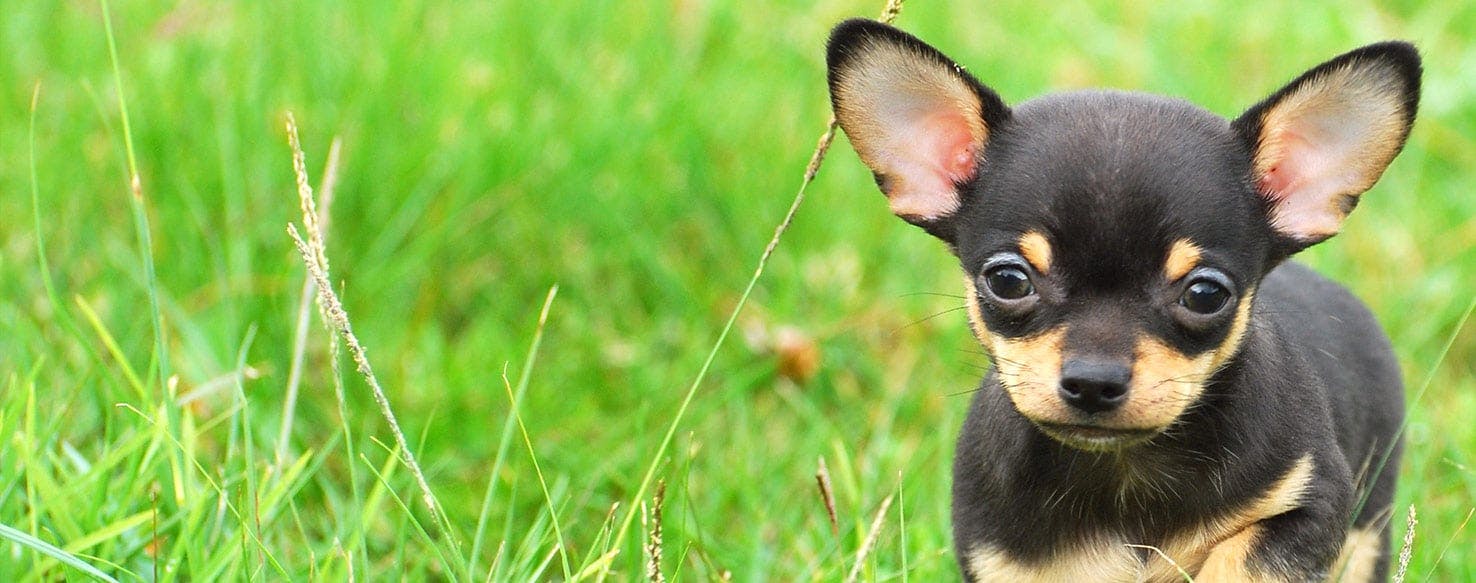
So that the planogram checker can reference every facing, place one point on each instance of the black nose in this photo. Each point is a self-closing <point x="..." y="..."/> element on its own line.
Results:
<point x="1094" y="387"/>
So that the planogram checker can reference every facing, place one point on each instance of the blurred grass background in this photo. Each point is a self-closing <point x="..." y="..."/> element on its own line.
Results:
<point x="637" y="154"/>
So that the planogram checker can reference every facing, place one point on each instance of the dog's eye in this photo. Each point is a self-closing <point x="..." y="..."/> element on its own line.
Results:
<point x="1205" y="296"/>
<point x="1008" y="282"/>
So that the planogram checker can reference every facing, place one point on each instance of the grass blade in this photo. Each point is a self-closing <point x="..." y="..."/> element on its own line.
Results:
<point x="893" y="8"/>
<point x="507" y="428"/>
<point x="315" y="256"/>
<point x="140" y="219"/>
<point x="532" y="454"/>
<point x="870" y="542"/>
<point x="50" y="550"/>
<point x="305" y="299"/>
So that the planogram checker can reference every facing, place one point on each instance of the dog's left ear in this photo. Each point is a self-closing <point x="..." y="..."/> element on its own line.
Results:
<point x="1325" y="138"/>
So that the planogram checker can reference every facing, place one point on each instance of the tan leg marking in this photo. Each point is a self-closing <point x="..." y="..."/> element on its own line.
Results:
<point x="1037" y="250"/>
<point x="1218" y="550"/>
<point x="1359" y="557"/>
<point x="1182" y="257"/>
<point x="1229" y="561"/>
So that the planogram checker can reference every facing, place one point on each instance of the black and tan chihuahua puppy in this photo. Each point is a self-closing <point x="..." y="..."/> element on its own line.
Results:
<point x="1168" y="392"/>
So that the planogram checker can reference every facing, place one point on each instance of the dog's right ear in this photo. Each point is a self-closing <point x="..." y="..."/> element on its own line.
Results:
<point x="917" y="119"/>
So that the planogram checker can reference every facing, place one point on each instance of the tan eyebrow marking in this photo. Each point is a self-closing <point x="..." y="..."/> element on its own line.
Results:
<point x="1037" y="250"/>
<point x="1182" y="257"/>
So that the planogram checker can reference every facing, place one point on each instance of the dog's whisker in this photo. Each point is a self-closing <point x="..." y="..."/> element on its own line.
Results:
<point x="925" y="319"/>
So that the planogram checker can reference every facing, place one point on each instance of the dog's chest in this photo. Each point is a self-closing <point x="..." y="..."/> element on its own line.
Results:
<point x="1114" y="557"/>
<point x="1106" y="559"/>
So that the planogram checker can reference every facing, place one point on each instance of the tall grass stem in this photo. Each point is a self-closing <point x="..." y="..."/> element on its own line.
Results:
<point x="507" y="427"/>
<point x="315" y="256"/>
<point x="889" y="13"/>
<point x="304" y="301"/>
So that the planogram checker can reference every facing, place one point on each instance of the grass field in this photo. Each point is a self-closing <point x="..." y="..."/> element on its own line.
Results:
<point x="638" y="155"/>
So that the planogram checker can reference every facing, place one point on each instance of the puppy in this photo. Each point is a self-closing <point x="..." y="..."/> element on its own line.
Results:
<point x="1169" y="395"/>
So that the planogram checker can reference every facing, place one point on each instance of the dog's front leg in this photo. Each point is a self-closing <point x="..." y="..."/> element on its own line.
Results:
<point x="1295" y="546"/>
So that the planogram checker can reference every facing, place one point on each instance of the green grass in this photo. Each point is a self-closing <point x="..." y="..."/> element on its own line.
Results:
<point x="638" y="155"/>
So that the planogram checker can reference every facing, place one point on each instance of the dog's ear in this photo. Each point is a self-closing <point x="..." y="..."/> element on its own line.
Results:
<point x="917" y="119"/>
<point x="1325" y="138"/>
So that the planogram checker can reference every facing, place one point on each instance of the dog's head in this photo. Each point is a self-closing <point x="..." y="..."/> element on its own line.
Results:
<point x="1112" y="242"/>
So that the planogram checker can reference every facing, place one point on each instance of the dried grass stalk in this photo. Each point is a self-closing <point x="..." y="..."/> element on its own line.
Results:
<point x="870" y="542"/>
<point x="653" y="542"/>
<point x="306" y="297"/>
<point x="1408" y="549"/>
<point x="315" y="256"/>
<point x="827" y="495"/>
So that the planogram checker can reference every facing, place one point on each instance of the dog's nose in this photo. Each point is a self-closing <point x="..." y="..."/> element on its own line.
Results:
<point x="1094" y="387"/>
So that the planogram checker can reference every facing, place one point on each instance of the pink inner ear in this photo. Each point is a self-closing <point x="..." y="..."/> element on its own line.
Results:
<point x="935" y="151"/>
<point x="1298" y="162"/>
<point x="1311" y="170"/>
<point x="951" y="146"/>
<point x="1274" y="182"/>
